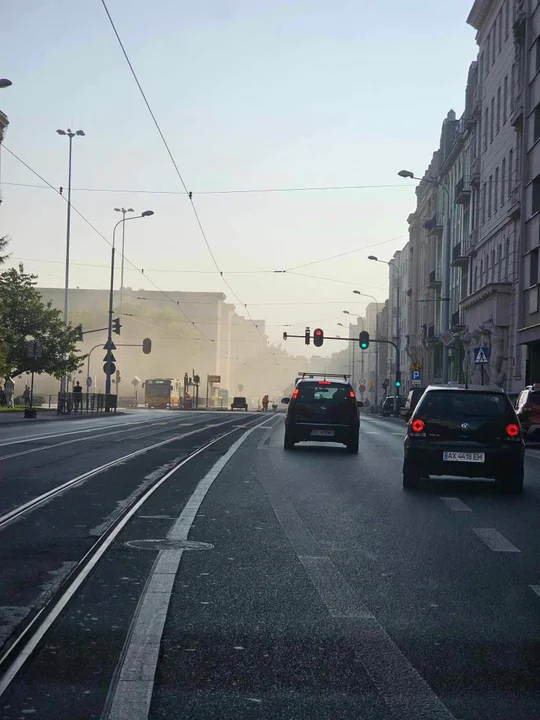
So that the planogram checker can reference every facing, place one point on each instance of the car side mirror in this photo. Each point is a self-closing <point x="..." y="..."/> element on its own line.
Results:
<point x="285" y="401"/>
<point x="360" y="403"/>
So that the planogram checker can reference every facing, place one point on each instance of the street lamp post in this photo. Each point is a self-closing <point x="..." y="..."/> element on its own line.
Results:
<point x="357" y="292"/>
<point x="446" y="263"/>
<point x="70" y="134"/>
<point x="123" y="211"/>
<point x="392" y="264"/>
<point x="108" y="361"/>
<point x="346" y="312"/>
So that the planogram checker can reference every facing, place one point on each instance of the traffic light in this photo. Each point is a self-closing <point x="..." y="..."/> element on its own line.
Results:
<point x="147" y="346"/>
<point x="79" y="331"/>
<point x="398" y="379"/>
<point x="284" y="335"/>
<point x="196" y="379"/>
<point x="116" y="326"/>
<point x="306" y="336"/>
<point x="364" y="340"/>
<point x="318" y="337"/>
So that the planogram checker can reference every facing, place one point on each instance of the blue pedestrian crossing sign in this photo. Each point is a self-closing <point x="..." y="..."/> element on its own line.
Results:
<point x="481" y="356"/>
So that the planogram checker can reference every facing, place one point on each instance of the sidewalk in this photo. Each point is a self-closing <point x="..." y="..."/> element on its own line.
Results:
<point x="44" y="415"/>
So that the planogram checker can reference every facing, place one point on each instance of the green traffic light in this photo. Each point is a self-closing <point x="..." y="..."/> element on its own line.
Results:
<point x="364" y="346"/>
<point x="398" y="384"/>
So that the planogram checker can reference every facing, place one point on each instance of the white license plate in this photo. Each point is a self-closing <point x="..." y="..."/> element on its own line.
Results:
<point x="323" y="433"/>
<point x="473" y="457"/>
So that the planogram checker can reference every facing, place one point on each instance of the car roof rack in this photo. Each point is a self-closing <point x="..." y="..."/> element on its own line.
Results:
<point x="324" y="375"/>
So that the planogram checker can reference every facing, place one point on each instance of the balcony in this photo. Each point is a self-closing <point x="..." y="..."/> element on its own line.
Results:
<point x="460" y="256"/>
<point x="457" y="321"/>
<point x="432" y="335"/>
<point x="434" y="280"/>
<point x="476" y="109"/>
<point x="462" y="193"/>
<point x="516" y="110"/>
<point x="514" y="206"/>
<point x="434" y="225"/>
<point x="475" y="171"/>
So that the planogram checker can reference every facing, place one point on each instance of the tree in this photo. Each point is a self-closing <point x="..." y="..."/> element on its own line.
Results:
<point x="3" y="245"/>
<point x="24" y="316"/>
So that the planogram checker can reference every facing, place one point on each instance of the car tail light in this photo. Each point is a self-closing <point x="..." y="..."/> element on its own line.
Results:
<point x="418" y="425"/>
<point x="512" y="430"/>
<point x="324" y="382"/>
<point x="295" y="393"/>
<point x="352" y="394"/>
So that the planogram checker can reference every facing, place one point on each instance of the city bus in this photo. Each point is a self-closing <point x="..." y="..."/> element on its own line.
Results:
<point x="162" y="393"/>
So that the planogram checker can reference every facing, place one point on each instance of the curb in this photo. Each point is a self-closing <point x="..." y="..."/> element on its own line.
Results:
<point x="65" y="418"/>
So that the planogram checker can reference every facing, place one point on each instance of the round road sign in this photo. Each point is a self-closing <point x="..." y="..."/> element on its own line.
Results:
<point x="88" y="382"/>
<point x="112" y="368"/>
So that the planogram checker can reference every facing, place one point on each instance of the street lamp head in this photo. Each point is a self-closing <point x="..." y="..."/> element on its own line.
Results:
<point x="80" y="133"/>
<point x="4" y="83"/>
<point x="117" y="210"/>
<point x="61" y="132"/>
<point x="406" y="174"/>
<point x="147" y="213"/>
<point x="372" y="257"/>
<point x="346" y="312"/>
<point x="130" y="210"/>
<point x="357" y="292"/>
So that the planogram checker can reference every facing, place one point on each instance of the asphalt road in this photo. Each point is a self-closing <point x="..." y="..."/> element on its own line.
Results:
<point x="235" y="579"/>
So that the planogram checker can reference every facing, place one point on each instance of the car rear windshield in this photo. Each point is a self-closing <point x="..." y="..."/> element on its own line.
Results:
<point x="534" y="398"/>
<point x="327" y="391"/>
<point x="468" y="404"/>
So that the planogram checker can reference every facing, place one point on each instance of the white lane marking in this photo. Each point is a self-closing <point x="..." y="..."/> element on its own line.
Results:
<point x="131" y="690"/>
<point x="403" y="689"/>
<point x="55" y="611"/>
<point x="371" y="432"/>
<point x="45" y="497"/>
<point x="535" y="589"/>
<point x="494" y="540"/>
<point x="456" y="504"/>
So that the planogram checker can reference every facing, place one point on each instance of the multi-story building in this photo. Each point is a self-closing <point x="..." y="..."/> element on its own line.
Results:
<point x="492" y="307"/>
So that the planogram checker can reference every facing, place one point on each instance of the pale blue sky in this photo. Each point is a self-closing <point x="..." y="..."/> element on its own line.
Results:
<point x="254" y="94"/>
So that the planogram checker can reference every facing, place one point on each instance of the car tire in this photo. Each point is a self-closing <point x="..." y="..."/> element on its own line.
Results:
<point x="352" y="445"/>
<point x="288" y="442"/>
<point x="513" y="485"/>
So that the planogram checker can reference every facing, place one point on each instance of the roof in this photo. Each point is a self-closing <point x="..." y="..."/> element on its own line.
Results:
<point x="464" y="388"/>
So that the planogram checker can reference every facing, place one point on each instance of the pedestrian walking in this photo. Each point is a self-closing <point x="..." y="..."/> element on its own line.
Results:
<point x="26" y="396"/>
<point x="2" y="396"/>
<point x="265" y="402"/>
<point x="9" y="389"/>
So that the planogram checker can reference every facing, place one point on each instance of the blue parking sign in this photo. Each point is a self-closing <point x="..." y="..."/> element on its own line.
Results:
<point x="416" y="375"/>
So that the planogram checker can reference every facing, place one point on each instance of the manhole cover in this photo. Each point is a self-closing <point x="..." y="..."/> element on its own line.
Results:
<point x="165" y="544"/>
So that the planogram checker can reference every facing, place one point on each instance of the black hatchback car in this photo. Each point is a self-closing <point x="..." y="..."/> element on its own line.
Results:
<point x="466" y="432"/>
<point x="322" y="411"/>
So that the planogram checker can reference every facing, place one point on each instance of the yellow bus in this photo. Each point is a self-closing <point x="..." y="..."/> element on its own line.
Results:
<point x="162" y="393"/>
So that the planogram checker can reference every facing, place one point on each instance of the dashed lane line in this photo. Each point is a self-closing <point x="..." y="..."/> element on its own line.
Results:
<point x="456" y="504"/>
<point x="495" y="541"/>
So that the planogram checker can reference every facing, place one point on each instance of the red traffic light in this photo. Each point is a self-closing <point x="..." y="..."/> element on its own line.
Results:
<point x="318" y="337"/>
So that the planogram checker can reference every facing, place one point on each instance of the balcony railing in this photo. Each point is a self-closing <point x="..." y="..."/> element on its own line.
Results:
<point x="475" y="171"/>
<point x="434" y="225"/>
<point x="516" y="109"/>
<point x="462" y="194"/>
<point x="460" y="257"/>
<point x="434" y="278"/>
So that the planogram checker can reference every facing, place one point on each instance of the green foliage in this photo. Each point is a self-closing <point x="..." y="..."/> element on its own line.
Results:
<point x="24" y="316"/>
<point x="3" y="245"/>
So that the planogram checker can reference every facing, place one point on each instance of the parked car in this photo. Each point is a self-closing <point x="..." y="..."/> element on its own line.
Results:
<point x="528" y="411"/>
<point x="389" y="404"/>
<point x="322" y="411"/>
<point x="239" y="403"/>
<point x="466" y="432"/>
<point x="412" y="401"/>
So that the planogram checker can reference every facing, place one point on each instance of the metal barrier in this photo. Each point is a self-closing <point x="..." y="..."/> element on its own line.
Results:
<point x="85" y="403"/>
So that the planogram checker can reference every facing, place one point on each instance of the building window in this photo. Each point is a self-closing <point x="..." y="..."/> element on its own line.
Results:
<point x="481" y="273"/>
<point x="483" y="202"/>
<point x="535" y="204"/>
<point x="533" y="267"/>
<point x="499" y="264"/>
<point x="499" y="27"/>
<point x="496" y="190"/>
<point x="488" y="54"/>
<point x="506" y="20"/>
<point x="492" y="128"/>
<point x="503" y="181"/>
<point x="512" y="84"/>
<point x="505" y="99"/>
<point x="536" y="129"/>
<point x="486" y="128"/>
<point x="493" y="265"/>
<point x="498" y="108"/>
<point x="510" y="172"/>
<point x="537" y="58"/>
<point x="493" y="41"/>
<point x="475" y="279"/>
<point x="490" y="195"/>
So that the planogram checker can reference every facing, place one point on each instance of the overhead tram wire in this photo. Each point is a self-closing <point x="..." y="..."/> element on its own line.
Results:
<point x="107" y="241"/>
<point x="179" y="174"/>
